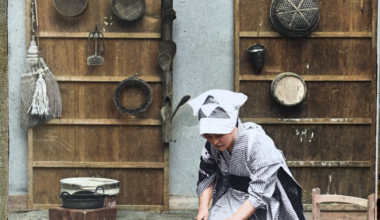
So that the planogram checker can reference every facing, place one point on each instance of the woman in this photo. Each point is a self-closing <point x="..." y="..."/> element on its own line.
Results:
<point x="241" y="169"/>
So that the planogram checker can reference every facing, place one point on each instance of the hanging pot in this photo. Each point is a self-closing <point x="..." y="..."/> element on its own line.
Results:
<point x="128" y="10"/>
<point x="257" y="54"/>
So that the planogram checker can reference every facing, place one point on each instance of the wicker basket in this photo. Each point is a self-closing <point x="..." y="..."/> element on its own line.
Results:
<point x="295" y="18"/>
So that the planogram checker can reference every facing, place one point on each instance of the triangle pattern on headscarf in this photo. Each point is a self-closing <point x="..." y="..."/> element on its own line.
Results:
<point x="201" y="114"/>
<point x="219" y="113"/>
<point x="210" y="100"/>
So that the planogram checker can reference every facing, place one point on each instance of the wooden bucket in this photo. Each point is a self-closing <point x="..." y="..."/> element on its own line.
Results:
<point x="288" y="89"/>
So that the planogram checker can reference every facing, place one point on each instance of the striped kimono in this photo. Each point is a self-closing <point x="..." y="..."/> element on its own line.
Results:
<point x="256" y="170"/>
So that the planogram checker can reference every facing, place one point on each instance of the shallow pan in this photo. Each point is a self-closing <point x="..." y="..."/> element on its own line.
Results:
<point x="128" y="10"/>
<point x="70" y="7"/>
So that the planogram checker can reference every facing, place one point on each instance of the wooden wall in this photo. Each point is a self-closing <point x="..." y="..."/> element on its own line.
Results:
<point x="92" y="138"/>
<point x="328" y="139"/>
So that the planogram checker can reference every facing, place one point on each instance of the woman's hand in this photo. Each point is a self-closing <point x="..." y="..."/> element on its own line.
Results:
<point x="202" y="214"/>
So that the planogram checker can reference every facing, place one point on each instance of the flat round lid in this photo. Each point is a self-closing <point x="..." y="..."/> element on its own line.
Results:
<point x="72" y="185"/>
<point x="288" y="89"/>
<point x="70" y="7"/>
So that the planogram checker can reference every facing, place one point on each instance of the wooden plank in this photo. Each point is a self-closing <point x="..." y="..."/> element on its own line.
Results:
<point x="104" y="78"/>
<point x="237" y="46"/>
<point x="166" y="176"/>
<point x="137" y="186"/>
<point x="18" y="202"/>
<point x="30" y="169"/>
<point x="309" y="56"/>
<point x="124" y="207"/>
<point x="340" y="198"/>
<point x="152" y="122"/>
<point x="84" y="143"/>
<point x="99" y="12"/>
<point x="146" y="35"/>
<point x="323" y="100"/>
<point x="335" y="207"/>
<point x="144" y="208"/>
<point x="335" y="16"/>
<point x="337" y="121"/>
<point x="123" y="165"/>
<point x="254" y="34"/>
<point x="322" y="78"/>
<point x="300" y="142"/>
<point x="93" y="100"/>
<point x="364" y="164"/>
<point x="373" y="179"/>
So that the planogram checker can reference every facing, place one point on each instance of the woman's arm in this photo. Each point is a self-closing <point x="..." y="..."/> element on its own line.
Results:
<point x="204" y="201"/>
<point x="244" y="212"/>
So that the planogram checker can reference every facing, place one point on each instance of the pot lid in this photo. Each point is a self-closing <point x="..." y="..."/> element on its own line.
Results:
<point x="72" y="185"/>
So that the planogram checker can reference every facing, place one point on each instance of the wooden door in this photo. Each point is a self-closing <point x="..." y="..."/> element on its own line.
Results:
<point x="92" y="138"/>
<point x="328" y="139"/>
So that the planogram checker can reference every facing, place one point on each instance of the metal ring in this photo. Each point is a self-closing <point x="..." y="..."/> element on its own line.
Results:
<point x="133" y="81"/>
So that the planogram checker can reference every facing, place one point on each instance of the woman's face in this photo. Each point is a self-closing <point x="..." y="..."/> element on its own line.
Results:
<point x="222" y="141"/>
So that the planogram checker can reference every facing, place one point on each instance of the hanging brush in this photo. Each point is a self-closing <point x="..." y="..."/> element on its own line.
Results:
<point x="40" y="94"/>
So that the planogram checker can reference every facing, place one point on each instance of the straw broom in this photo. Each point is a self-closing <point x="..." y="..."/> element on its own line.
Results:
<point x="40" y="94"/>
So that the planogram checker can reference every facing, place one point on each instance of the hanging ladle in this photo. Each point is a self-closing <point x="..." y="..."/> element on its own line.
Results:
<point x="164" y="60"/>
<point x="183" y="101"/>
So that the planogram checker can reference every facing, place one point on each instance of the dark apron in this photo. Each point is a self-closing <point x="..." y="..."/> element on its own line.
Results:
<point x="292" y="190"/>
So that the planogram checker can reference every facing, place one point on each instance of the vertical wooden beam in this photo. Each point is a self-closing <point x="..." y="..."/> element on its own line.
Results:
<point x="373" y="87"/>
<point x="4" y="122"/>
<point x="166" y="177"/>
<point x="237" y="46"/>
<point x="30" y="169"/>
<point x="316" y="206"/>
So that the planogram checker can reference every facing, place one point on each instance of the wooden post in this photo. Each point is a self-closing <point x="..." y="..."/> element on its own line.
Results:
<point x="371" y="207"/>
<point x="316" y="206"/>
<point x="4" y="123"/>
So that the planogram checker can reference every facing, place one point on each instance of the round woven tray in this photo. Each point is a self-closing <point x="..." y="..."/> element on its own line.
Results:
<point x="295" y="18"/>
<point x="133" y="81"/>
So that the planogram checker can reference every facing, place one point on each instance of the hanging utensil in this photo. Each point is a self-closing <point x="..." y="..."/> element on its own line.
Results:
<point x="128" y="10"/>
<point x="40" y="94"/>
<point x="168" y="47"/>
<point x="164" y="60"/>
<point x="97" y="56"/>
<point x="294" y="18"/>
<point x="70" y="7"/>
<point x="183" y="101"/>
<point x="168" y="16"/>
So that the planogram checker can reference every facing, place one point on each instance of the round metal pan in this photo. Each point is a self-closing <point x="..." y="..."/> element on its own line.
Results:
<point x="128" y="10"/>
<point x="70" y="7"/>
<point x="82" y="200"/>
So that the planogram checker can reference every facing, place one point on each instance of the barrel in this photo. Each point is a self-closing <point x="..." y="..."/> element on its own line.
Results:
<point x="288" y="89"/>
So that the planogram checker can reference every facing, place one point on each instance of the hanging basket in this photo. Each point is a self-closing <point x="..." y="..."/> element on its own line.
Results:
<point x="133" y="81"/>
<point x="295" y="18"/>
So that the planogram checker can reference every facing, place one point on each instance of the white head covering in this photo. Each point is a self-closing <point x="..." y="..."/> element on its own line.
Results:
<point x="217" y="110"/>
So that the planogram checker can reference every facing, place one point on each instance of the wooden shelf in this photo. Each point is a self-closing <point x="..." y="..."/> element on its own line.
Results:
<point x="254" y="34"/>
<point x="106" y="35"/>
<point x="125" y="207"/>
<point x="105" y="78"/>
<point x="124" y="165"/>
<point x="316" y="78"/>
<point x="329" y="164"/>
<point x="337" y="121"/>
<point x="153" y="122"/>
